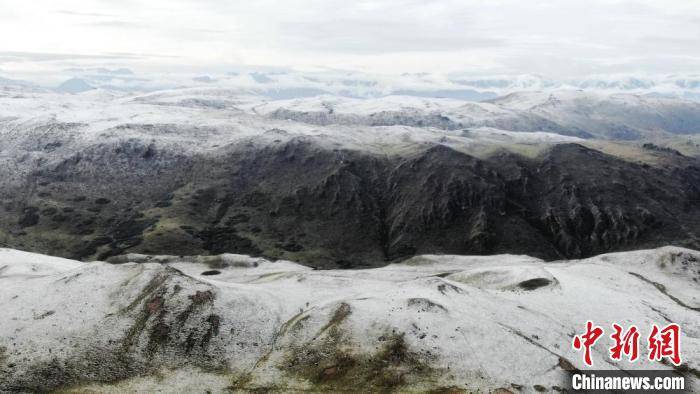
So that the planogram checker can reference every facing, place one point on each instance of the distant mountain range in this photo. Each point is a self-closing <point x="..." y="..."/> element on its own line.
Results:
<point x="288" y="84"/>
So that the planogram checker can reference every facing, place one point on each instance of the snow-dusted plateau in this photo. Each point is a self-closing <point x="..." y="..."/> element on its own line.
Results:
<point x="215" y="239"/>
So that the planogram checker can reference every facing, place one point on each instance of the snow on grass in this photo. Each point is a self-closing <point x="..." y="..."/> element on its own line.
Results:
<point x="19" y="263"/>
<point x="474" y="322"/>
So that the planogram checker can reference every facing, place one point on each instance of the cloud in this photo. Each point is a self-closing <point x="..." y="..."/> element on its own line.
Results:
<point x="116" y="24"/>
<point x="89" y="14"/>
<point x="666" y="42"/>
<point x="45" y="56"/>
<point x="361" y="36"/>
<point x="131" y="55"/>
<point x="575" y="37"/>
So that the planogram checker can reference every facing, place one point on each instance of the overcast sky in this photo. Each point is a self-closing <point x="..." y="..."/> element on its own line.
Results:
<point x="550" y="38"/>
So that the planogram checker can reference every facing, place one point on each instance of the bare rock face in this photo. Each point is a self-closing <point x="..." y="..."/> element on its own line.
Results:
<point x="587" y="202"/>
<point x="443" y="200"/>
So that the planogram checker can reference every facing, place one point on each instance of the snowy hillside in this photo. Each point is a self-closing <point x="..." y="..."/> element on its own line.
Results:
<point x="203" y="120"/>
<point x="567" y="112"/>
<point x="235" y="322"/>
<point x="205" y="116"/>
<point x="231" y="114"/>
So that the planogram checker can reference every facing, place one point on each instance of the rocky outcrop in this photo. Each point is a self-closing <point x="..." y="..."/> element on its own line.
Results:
<point x="586" y="202"/>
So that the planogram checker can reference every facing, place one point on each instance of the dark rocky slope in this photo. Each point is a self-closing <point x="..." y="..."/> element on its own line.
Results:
<point x="341" y="208"/>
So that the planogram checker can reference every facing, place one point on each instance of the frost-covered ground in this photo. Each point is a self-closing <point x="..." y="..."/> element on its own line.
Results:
<point x="232" y="322"/>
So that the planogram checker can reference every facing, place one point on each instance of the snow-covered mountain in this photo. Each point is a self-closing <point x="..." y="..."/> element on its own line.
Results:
<point x="569" y="113"/>
<point x="74" y="85"/>
<point x="232" y="322"/>
<point x="341" y="182"/>
<point x="575" y="113"/>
